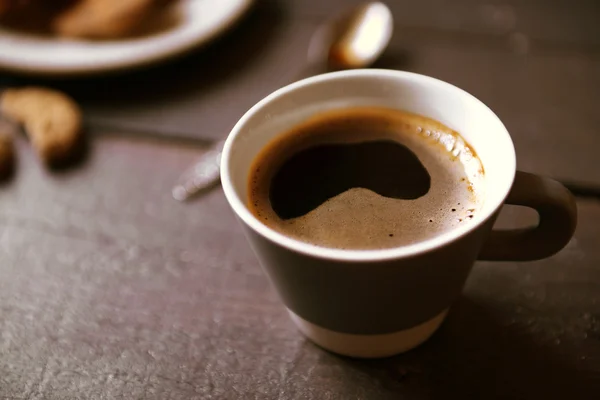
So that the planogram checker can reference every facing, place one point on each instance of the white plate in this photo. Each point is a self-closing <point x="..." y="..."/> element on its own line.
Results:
<point x="200" y="22"/>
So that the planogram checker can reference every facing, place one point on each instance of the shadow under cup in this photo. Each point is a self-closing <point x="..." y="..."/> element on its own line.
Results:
<point x="369" y="303"/>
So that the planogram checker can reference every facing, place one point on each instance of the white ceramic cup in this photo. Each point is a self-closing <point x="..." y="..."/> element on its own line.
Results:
<point x="376" y="303"/>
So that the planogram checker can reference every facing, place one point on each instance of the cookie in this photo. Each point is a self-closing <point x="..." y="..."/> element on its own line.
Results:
<point x="52" y="120"/>
<point x="103" y="19"/>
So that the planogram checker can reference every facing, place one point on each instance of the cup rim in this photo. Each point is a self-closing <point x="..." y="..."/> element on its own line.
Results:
<point x="410" y="250"/>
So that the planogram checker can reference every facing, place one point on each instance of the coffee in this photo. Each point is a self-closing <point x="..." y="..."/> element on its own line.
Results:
<point x="366" y="178"/>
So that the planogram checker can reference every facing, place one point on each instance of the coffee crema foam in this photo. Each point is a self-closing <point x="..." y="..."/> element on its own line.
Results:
<point x="359" y="218"/>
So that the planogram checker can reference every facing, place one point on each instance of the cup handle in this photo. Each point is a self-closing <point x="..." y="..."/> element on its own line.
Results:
<point x="557" y="212"/>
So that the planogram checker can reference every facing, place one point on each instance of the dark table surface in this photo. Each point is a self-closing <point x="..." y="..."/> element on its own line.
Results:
<point x="110" y="289"/>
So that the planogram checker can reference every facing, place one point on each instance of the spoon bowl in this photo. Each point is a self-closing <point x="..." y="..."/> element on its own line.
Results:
<point x="356" y="39"/>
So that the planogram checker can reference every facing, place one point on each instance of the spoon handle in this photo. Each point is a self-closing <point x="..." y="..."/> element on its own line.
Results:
<point x="203" y="174"/>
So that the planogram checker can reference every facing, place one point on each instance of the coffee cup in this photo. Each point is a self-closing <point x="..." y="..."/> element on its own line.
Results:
<point x="377" y="303"/>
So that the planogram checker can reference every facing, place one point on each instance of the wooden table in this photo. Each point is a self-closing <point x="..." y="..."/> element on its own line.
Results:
<point x="110" y="289"/>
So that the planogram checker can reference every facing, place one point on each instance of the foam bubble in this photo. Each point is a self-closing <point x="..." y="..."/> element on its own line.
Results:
<point x="448" y="141"/>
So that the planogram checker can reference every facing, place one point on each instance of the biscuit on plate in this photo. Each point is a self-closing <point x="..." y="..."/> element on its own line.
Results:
<point x="103" y="19"/>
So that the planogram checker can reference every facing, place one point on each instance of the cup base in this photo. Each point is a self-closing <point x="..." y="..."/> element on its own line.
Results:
<point x="369" y="346"/>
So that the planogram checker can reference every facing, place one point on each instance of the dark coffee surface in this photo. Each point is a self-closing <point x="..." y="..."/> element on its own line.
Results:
<point x="366" y="178"/>
<point x="317" y="174"/>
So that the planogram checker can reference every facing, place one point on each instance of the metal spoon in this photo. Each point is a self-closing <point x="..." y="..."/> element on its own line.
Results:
<point x="353" y="40"/>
